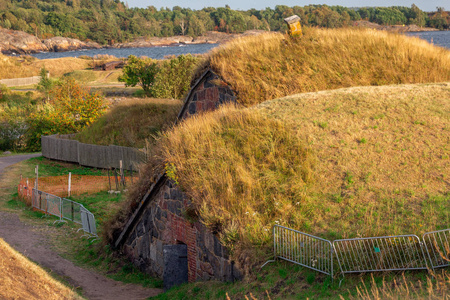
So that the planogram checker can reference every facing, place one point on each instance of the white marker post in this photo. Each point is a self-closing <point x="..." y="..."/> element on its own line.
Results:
<point x="70" y="184"/>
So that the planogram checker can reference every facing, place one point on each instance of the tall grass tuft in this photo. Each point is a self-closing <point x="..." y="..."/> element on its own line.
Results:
<point x="272" y="65"/>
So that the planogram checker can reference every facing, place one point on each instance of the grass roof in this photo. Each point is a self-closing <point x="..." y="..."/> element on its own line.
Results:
<point x="271" y="65"/>
<point x="361" y="161"/>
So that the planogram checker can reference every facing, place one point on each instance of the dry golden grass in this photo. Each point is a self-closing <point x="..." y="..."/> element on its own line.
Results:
<point x="11" y="67"/>
<point x="17" y="67"/>
<point x="270" y="66"/>
<point x="405" y="289"/>
<point x="60" y="66"/>
<point x="362" y="161"/>
<point x="22" y="279"/>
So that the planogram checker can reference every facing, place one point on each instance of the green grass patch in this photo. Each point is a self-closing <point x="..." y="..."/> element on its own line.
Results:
<point x="49" y="167"/>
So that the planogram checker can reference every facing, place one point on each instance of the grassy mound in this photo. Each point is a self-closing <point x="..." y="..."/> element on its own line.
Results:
<point x="131" y="123"/>
<point x="22" y="279"/>
<point x="17" y="67"/>
<point x="343" y="163"/>
<point x="270" y="66"/>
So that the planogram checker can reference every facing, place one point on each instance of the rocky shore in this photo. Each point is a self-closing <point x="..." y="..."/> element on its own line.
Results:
<point x="19" y="42"/>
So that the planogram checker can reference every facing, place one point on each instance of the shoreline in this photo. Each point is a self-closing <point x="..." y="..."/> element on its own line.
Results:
<point x="211" y="37"/>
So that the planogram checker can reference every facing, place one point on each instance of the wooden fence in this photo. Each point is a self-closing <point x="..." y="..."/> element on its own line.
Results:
<point x="60" y="147"/>
<point x="20" y="81"/>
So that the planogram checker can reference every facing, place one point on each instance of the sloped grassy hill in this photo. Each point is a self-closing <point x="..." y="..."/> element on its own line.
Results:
<point x="17" y="67"/>
<point x="351" y="162"/>
<point x="22" y="279"/>
<point x="132" y="123"/>
<point x="271" y="65"/>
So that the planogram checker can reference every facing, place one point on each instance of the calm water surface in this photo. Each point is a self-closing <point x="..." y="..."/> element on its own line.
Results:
<point x="440" y="38"/>
<point x="153" y="52"/>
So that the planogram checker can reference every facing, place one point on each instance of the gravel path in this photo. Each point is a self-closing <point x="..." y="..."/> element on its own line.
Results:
<point x="33" y="242"/>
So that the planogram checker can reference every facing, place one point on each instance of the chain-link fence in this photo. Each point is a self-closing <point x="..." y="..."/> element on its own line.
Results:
<point x="360" y="255"/>
<point x="64" y="209"/>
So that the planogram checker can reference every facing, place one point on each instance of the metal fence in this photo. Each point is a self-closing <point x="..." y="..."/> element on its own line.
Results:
<point x="303" y="249"/>
<point x="438" y="247"/>
<point x="385" y="253"/>
<point x="64" y="209"/>
<point x="360" y="255"/>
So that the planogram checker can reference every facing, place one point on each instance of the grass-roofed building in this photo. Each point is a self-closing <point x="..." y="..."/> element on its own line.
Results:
<point x="335" y="163"/>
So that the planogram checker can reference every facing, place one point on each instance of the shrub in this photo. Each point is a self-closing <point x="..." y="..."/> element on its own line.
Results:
<point x="11" y="135"/>
<point x="168" y="79"/>
<point x="70" y="109"/>
<point x="140" y="71"/>
<point x="174" y="77"/>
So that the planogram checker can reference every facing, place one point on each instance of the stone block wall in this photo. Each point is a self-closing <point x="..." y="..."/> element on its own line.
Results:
<point x="163" y="223"/>
<point x="208" y="95"/>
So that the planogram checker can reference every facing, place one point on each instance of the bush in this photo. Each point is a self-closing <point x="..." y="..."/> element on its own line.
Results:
<point x="12" y="135"/>
<point x="70" y="109"/>
<point x="168" y="79"/>
<point x="140" y="71"/>
<point x="174" y="77"/>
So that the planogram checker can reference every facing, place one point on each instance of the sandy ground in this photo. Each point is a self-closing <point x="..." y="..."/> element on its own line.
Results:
<point x="33" y="242"/>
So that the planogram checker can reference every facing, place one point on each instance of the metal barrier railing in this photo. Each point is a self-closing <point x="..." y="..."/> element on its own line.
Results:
<point x="359" y="255"/>
<point x="71" y="210"/>
<point x="437" y="245"/>
<point x="303" y="249"/>
<point x="385" y="253"/>
<point x="64" y="209"/>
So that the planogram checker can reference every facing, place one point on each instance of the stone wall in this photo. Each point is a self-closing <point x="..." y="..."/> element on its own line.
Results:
<point x="208" y="95"/>
<point x="163" y="223"/>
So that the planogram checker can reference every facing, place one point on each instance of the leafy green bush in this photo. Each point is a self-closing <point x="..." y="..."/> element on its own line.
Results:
<point x="167" y="79"/>
<point x="70" y="109"/>
<point x="140" y="71"/>
<point x="174" y="77"/>
<point x="11" y="135"/>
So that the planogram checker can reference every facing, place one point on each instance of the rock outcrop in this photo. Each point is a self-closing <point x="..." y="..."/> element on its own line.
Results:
<point x="59" y="44"/>
<point x="19" y="42"/>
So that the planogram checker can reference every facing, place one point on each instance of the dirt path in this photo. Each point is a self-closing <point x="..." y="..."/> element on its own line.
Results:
<point x="34" y="243"/>
<point x="6" y="161"/>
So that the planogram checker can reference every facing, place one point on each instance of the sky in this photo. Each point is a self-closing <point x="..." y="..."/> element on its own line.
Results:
<point x="425" y="5"/>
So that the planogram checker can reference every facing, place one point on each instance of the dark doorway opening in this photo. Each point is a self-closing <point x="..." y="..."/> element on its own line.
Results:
<point x="175" y="265"/>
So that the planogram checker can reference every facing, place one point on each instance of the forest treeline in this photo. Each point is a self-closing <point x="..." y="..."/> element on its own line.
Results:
<point x="109" y="21"/>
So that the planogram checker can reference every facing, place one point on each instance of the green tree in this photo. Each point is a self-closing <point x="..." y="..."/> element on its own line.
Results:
<point x="174" y="77"/>
<point x="45" y="83"/>
<point x="140" y="71"/>
<point x="70" y="109"/>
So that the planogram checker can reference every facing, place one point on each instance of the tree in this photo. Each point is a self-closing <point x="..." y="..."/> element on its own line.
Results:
<point x="140" y="71"/>
<point x="45" y="83"/>
<point x="70" y="109"/>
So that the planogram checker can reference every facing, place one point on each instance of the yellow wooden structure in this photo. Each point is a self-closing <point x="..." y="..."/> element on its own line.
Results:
<point x="295" y="28"/>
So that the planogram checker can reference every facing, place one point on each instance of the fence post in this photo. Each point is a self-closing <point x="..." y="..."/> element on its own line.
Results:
<point x="72" y="210"/>
<point x="70" y="183"/>
<point x="131" y="173"/>
<point x="122" y="177"/>
<point x="109" y="178"/>
<point x="36" y="170"/>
